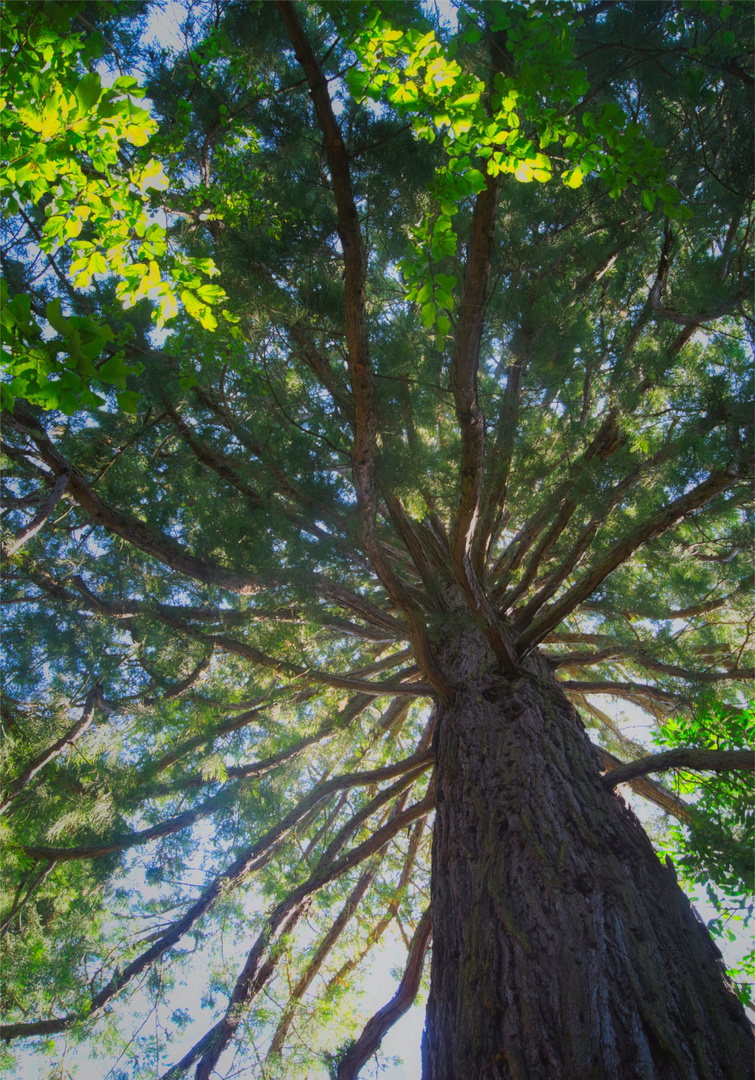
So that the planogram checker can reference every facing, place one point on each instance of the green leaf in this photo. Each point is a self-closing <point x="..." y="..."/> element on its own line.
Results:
<point x="56" y="318"/>
<point x="88" y="91"/>
<point x="677" y="213"/>
<point x="466" y="99"/>
<point x="125" y="82"/>
<point x="446" y="281"/>
<point x="428" y="315"/>
<point x="475" y="180"/>
<point x="67" y="402"/>
<point x="573" y="177"/>
<point x="128" y="400"/>
<point x="444" y="299"/>
<point x="668" y="194"/>
<point x="211" y="294"/>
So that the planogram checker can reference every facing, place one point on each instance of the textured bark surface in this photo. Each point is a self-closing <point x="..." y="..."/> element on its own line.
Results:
<point x="562" y="946"/>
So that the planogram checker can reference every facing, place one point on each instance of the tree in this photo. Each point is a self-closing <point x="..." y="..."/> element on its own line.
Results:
<point x="469" y="451"/>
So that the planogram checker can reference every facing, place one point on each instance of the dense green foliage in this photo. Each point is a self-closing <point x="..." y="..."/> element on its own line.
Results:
<point x="234" y="546"/>
<point x="73" y="173"/>
<point x="714" y="850"/>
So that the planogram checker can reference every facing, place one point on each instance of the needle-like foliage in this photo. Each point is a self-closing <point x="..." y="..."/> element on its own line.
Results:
<point x="468" y="404"/>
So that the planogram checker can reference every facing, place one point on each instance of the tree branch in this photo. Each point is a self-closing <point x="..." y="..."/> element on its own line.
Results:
<point x="683" y="758"/>
<point x="219" y="463"/>
<point x="330" y="939"/>
<point x="382" y="924"/>
<point x="94" y="698"/>
<point x="359" y="363"/>
<point x="256" y="855"/>
<point x="52" y="500"/>
<point x="630" y="690"/>
<point x="653" y="526"/>
<point x="384" y="1019"/>
<point x="255" y="972"/>
<point x="648" y="789"/>
<point x="209" y="806"/>
<point x="601" y="446"/>
<point x="502" y="455"/>
<point x="464" y="364"/>
<point x="173" y="555"/>
<point x="342" y="682"/>
<point x="132" y="529"/>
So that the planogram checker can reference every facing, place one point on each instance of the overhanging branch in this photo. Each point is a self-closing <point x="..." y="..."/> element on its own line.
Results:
<point x="683" y="758"/>
<point x="648" y="789"/>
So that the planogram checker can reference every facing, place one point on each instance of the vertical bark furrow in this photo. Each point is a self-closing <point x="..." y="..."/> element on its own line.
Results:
<point x="554" y="888"/>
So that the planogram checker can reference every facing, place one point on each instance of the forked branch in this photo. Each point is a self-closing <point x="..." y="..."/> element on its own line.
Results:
<point x="47" y="507"/>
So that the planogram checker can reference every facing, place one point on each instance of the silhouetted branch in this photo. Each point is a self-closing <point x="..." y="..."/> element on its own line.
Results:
<point x="384" y="1019"/>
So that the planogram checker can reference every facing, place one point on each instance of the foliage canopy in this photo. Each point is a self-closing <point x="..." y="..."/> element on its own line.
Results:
<point x="479" y="348"/>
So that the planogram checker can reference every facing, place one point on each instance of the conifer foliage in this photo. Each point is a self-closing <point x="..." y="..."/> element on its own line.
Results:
<point x="372" y="376"/>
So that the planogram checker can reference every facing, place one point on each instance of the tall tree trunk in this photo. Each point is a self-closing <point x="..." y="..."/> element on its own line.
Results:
<point x="562" y="946"/>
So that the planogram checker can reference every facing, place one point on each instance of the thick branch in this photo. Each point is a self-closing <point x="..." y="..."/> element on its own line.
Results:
<point x="384" y="1019"/>
<point x="653" y="526"/>
<point x="540" y="553"/>
<point x="502" y="455"/>
<point x="361" y="375"/>
<point x="256" y="855"/>
<point x="601" y="446"/>
<point x="648" y="789"/>
<point x="342" y="682"/>
<point x="323" y="372"/>
<point x="630" y="690"/>
<point x="718" y="312"/>
<point x="255" y="972"/>
<point x="123" y="843"/>
<point x="642" y="659"/>
<point x="209" y="806"/>
<point x="464" y="365"/>
<point x="683" y="758"/>
<point x="330" y="939"/>
<point x="553" y="580"/>
<point x="220" y="464"/>
<point x="356" y="706"/>
<point x="132" y="529"/>
<point x="171" y="554"/>
<point x="646" y="611"/>
<point x="314" y="966"/>
<point x="383" y="923"/>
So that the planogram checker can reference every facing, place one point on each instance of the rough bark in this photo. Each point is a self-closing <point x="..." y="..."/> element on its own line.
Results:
<point x="562" y="947"/>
